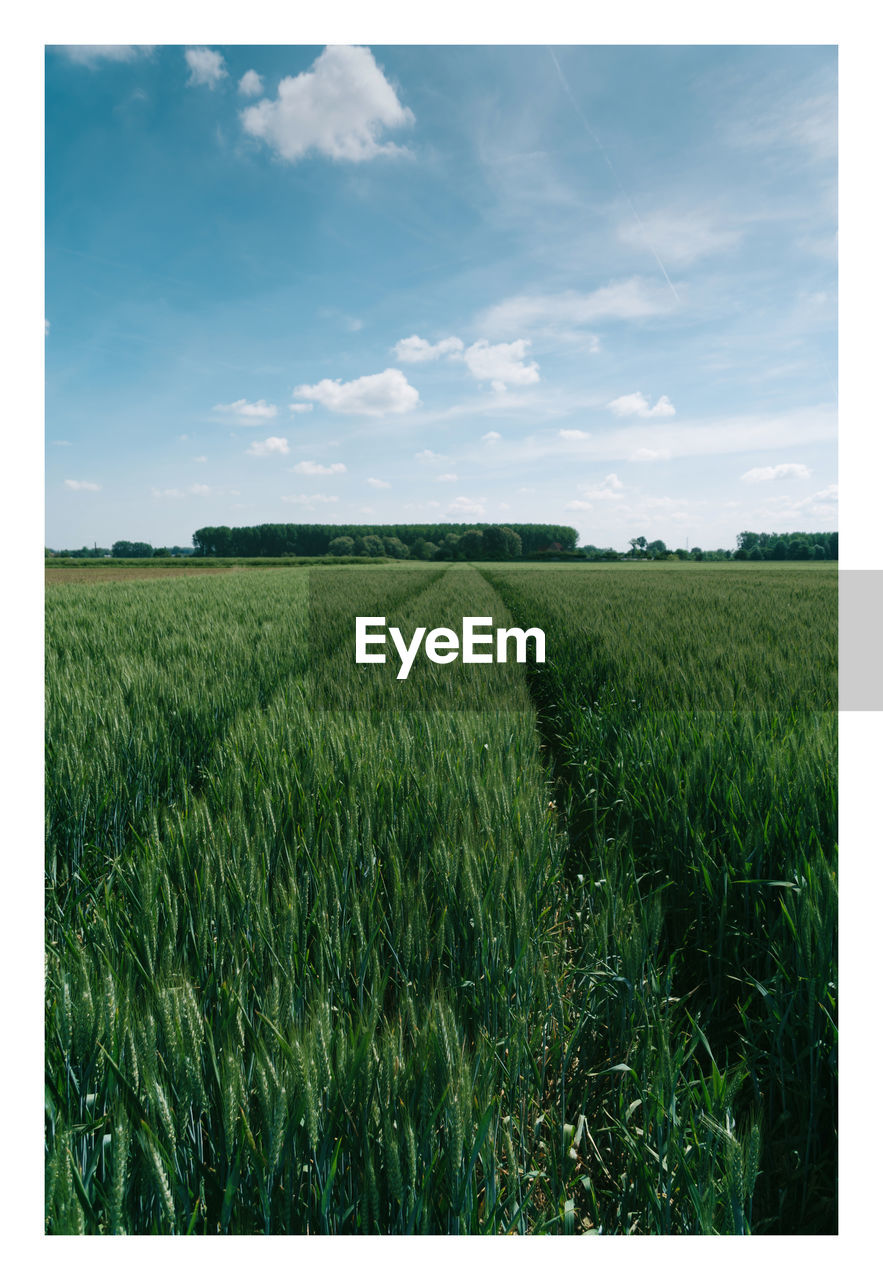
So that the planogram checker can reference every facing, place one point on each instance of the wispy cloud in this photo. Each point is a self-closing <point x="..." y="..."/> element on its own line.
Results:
<point x="310" y="500"/>
<point x="563" y="313"/>
<point x="248" y="412"/>
<point x="306" y="468"/>
<point x="377" y="484"/>
<point x="781" y="471"/>
<point x="91" y="55"/>
<point x="82" y="484"/>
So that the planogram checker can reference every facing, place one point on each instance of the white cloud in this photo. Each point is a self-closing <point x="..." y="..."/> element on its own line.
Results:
<point x="243" y="411"/>
<point x="206" y="67"/>
<point x="316" y="469"/>
<point x="377" y="484"/>
<point x="562" y="314"/>
<point x="339" y="108"/>
<point x="416" y="350"/>
<point x="64" y="443"/>
<point x="200" y="458"/>
<point x="802" y="119"/>
<point x="197" y="490"/>
<point x="782" y="471"/>
<point x="251" y="85"/>
<point x="491" y="437"/>
<point x="374" y="395"/>
<point x="266" y="448"/>
<point x="576" y="505"/>
<point x="89" y="55"/>
<point x="502" y="364"/>
<point x="426" y="455"/>
<point x="636" y="405"/>
<point x="573" y="433"/>
<point x="464" y="506"/>
<point x="611" y="488"/>
<point x="82" y="484"/>
<point x="301" y="408"/>
<point x="446" y="478"/>
<point x="678" y="238"/>
<point x="309" y="499"/>
<point x="649" y="455"/>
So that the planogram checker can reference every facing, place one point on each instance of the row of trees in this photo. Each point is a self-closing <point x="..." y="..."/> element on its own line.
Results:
<point x="786" y="546"/>
<point x="457" y="542"/>
<point x="401" y="541"/>
<point x="122" y="550"/>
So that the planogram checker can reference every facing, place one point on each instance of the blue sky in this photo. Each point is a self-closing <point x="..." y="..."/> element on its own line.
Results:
<point x="589" y="285"/>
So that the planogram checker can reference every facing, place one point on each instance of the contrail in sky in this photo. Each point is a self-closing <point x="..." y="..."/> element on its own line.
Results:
<point x="598" y="143"/>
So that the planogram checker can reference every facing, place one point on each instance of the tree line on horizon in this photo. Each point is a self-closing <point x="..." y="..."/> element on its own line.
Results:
<point x="454" y="542"/>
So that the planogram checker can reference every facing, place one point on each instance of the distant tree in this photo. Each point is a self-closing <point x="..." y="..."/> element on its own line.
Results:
<point x="396" y="548"/>
<point x="471" y="545"/>
<point x="798" y="549"/>
<point x="160" y="551"/>
<point x="657" y="549"/>
<point x="755" y="553"/>
<point x="779" y="550"/>
<point x="342" y="546"/>
<point x="696" y="553"/>
<point x="372" y="545"/>
<point x="132" y="550"/>
<point x="424" y="550"/>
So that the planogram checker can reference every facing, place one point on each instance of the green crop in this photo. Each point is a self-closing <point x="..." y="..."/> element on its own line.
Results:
<point x="493" y="949"/>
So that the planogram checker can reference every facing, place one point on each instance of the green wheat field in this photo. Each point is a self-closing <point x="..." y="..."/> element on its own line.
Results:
<point x="496" y="949"/>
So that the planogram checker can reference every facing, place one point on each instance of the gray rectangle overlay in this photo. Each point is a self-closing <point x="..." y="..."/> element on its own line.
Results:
<point x="860" y="608"/>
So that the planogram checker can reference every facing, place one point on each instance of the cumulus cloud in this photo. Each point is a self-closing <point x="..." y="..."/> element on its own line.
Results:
<point x="501" y="364"/>
<point x="377" y="484"/>
<point x="309" y="499"/>
<point x="251" y="85"/>
<point x="200" y="458"/>
<point x="374" y="395"/>
<point x="90" y="55"/>
<point x="782" y="471"/>
<point x="491" y="437"/>
<point x="416" y="350"/>
<point x="244" y="411"/>
<point x="446" y="478"/>
<point x="266" y="448"/>
<point x="611" y="488"/>
<point x="206" y="67"/>
<point x="426" y="455"/>
<point x="301" y="408"/>
<point x="573" y="433"/>
<point x="82" y="484"/>
<point x="316" y="469"/>
<point x="565" y="314"/>
<point x="637" y="405"/>
<point x="338" y="108"/>
<point x="576" y="505"/>
<point x="464" y="506"/>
